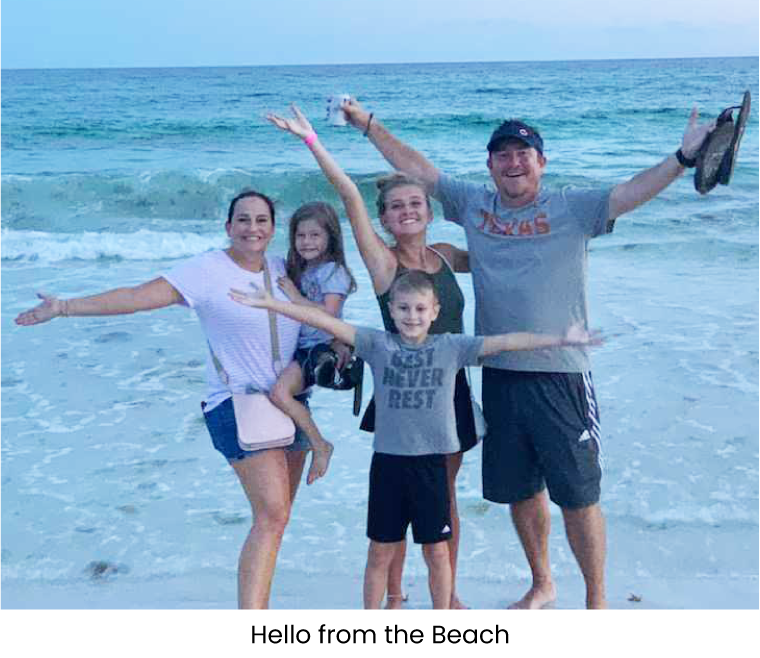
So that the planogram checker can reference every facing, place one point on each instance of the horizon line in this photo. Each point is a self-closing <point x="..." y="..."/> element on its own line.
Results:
<point x="495" y="61"/>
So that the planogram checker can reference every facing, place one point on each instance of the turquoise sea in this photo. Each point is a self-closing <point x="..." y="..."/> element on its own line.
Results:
<point x="110" y="176"/>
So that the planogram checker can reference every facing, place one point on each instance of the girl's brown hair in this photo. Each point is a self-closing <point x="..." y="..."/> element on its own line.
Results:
<point x="324" y="214"/>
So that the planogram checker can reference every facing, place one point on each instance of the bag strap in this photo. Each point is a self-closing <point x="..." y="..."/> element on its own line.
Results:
<point x="276" y="360"/>
<point x="222" y="372"/>
<point x="276" y="356"/>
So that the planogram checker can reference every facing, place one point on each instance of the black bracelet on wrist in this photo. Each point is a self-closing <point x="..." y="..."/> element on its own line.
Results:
<point x="369" y="123"/>
<point x="684" y="161"/>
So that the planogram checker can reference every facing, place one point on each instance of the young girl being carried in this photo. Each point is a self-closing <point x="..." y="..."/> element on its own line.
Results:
<point x="317" y="276"/>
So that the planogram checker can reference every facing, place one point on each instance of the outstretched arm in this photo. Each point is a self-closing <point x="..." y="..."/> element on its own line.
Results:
<point x="521" y="340"/>
<point x="376" y="255"/>
<point x="333" y="302"/>
<point x="120" y="301"/>
<point x="310" y="315"/>
<point x="650" y="182"/>
<point x="401" y="157"/>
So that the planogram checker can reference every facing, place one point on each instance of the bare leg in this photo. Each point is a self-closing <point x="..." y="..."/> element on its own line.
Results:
<point x="289" y="384"/>
<point x="295" y="460"/>
<point x="532" y="522"/>
<point x="453" y="464"/>
<point x="395" y="597"/>
<point x="265" y="480"/>
<point x="586" y="534"/>
<point x="439" y="573"/>
<point x="379" y="557"/>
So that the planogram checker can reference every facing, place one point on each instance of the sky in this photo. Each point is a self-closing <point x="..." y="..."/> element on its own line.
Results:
<point x="163" y="33"/>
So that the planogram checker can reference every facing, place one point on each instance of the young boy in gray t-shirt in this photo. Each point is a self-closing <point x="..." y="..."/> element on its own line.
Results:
<point x="414" y="377"/>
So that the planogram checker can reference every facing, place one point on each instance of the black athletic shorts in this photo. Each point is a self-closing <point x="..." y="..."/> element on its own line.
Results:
<point x="462" y="408"/>
<point x="404" y="490"/>
<point x="543" y="430"/>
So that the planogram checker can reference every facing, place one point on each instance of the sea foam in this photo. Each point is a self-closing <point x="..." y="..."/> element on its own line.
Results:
<point x="143" y="244"/>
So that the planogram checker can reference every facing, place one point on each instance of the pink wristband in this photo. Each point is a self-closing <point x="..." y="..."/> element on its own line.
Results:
<point x="310" y="138"/>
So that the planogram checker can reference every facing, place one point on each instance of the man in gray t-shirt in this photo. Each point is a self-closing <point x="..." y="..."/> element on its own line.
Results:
<point x="528" y="255"/>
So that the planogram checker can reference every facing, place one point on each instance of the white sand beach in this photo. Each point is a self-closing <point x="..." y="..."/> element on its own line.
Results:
<point x="215" y="590"/>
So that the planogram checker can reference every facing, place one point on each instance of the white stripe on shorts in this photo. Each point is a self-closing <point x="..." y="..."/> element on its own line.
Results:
<point x="593" y="414"/>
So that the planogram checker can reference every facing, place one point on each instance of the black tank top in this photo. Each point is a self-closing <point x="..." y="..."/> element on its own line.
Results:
<point x="450" y="297"/>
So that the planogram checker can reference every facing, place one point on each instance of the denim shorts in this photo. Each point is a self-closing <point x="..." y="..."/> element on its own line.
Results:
<point x="221" y="425"/>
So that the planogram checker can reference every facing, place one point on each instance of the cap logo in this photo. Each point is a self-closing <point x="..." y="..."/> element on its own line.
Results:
<point x="523" y="132"/>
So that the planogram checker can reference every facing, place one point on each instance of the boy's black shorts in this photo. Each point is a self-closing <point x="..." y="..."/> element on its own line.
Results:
<point x="404" y="490"/>
<point x="543" y="430"/>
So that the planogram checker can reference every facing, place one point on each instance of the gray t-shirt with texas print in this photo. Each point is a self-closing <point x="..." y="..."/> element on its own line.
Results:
<point x="528" y="265"/>
<point x="414" y="389"/>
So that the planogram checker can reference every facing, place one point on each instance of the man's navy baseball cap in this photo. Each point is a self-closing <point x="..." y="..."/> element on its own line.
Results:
<point x="513" y="129"/>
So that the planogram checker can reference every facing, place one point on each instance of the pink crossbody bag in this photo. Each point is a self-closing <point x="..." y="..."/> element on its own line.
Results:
<point x="260" y="425"/>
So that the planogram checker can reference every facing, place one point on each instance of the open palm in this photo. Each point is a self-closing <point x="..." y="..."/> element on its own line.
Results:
<point x="299" y="125"/>
<point x="258" y="298"/>
<point x="49" y="308"/>
<point x="577" y="335"/>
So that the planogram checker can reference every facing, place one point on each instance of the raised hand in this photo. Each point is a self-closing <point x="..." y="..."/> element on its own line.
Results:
<point x="299" y="125"/>
<point x="259" y="298"/>
<point x="356" y="115"/>
<point x="51" y="307"/>
<point x="695" y="134"/>
<point x="577" y="335"/>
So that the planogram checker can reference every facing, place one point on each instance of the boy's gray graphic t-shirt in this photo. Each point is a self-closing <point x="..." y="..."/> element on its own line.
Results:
<point x="529" y="265"/>
<point x="414" y="389"/>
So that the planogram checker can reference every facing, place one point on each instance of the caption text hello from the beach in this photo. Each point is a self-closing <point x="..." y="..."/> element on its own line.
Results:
<point x="391" y="634"/>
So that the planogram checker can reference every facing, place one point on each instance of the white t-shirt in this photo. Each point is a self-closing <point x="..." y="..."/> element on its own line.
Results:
<point x="239" y="335"/>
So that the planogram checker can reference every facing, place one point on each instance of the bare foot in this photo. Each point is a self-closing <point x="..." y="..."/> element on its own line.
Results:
<point x="537" y="597"/>
<point x="320" y="460"/>
<point x="395" y="601"/>
<point x="456" y="604"/>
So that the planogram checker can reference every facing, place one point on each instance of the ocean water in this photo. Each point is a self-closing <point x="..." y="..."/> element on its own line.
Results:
<point x="109" y="177"/>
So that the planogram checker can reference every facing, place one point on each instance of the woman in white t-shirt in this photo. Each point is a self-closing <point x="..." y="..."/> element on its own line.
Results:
<point x="240" y="340"/>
